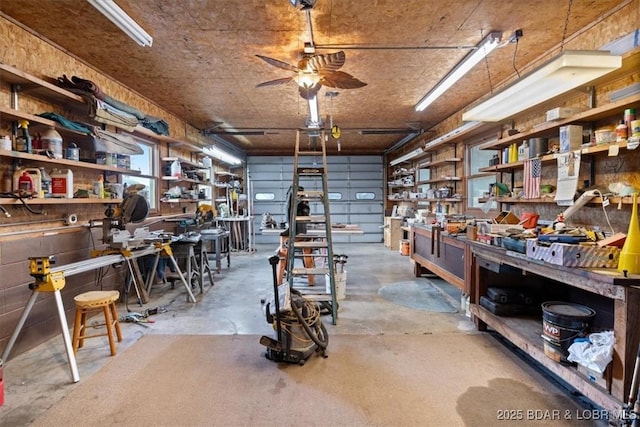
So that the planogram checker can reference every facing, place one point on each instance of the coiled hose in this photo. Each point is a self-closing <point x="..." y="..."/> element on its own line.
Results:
<point x="307" y="315"/>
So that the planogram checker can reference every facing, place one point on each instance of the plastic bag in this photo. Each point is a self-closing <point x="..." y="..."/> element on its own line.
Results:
<point x="594" y="353"/>
<point x="284" y="299"/>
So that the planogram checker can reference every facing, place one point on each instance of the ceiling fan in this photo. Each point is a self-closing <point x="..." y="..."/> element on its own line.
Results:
<point x="313" y="72"/>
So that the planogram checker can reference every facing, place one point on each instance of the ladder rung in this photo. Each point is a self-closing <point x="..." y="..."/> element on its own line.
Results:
<point x="312" y="218"/>
<point x="310" y="153"/>
<point x="308" y="236"/>
<point x="312" y="271"/>
<point x="318" y="297"/>
<point x="318" y="245"/>
<point x="310" y="171"/>
<point x="310" y="194"/>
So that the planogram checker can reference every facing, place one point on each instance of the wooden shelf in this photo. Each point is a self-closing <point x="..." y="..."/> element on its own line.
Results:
<point x="547" y="158"/>
<point x="181" y="179"/>
<point x="445" y="179"/>
<point x="614" y="200"/>
<point x="8" y="114"/>
<point x="548" y="128"/>
<point x="65" y="162"/>
<point x="38" y="87"/>
<point x="526" y="333"/>
<point x="436" y="163"/>
<point x="59" y="201"/>
<point x="184" y="162"/>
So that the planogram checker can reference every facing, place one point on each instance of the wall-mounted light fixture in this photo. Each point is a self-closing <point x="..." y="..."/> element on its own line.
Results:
<point x="123" y="21"/>
<point x="410" y="155"/>
<point x="467" y="127"/>
<point x="569" y="70"/>
<point x="484" y="48"/>
<point x="223" y="156"/>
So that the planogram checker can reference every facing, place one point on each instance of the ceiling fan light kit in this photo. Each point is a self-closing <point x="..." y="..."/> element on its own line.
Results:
<point x="484" y="48"/>
<point x="567" y="71"/>
<point x="123" y="21"/>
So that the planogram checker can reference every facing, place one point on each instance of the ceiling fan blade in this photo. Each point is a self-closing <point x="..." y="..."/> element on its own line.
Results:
<point x="309" y="92"/>
<point x="275" y="82"/>
<point x="328" y="62"/>
<point x="340" y="80"/>
<point x="278" y="63"/>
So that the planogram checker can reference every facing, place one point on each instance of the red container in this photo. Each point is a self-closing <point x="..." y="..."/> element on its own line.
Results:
<point x="529" y="219"/>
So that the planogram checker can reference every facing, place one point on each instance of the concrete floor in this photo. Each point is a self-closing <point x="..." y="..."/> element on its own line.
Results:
<point x="36" y="380"/>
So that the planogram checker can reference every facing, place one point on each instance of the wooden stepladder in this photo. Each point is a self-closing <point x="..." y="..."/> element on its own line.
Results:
<point x="310" y="235"/>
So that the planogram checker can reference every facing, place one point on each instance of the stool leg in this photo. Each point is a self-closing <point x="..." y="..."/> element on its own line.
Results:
<point x="83" y="327"/>
<point x="116" y="321"/>
<point x="109" y="325"/>
<point x="76" y="329"/>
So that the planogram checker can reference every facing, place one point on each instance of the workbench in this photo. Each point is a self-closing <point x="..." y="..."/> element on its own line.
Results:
<point x="616" y="300"/>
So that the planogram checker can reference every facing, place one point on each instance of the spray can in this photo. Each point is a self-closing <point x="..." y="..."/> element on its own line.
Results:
<point x="23" y="141"/>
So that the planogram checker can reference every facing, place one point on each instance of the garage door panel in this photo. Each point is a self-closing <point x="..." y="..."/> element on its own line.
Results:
<point x="348" y="176"/>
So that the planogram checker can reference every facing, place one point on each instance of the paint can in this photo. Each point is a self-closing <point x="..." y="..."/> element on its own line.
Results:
<point x="563" y="322"/>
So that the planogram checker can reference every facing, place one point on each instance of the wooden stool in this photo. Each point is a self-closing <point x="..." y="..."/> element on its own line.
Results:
<point x="93" y="301"/>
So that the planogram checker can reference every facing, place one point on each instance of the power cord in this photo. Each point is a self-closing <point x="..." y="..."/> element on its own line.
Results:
<point x="18" y="197"/>
<point x="599" y="193"/>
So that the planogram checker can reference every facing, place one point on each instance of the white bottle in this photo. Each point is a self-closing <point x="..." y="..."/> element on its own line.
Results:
<point x="62" y="183"/>
<point x="523" y="151"/>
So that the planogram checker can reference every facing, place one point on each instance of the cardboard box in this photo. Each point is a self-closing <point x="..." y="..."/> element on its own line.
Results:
<point x="568" y="255"/>
<point x="562" y="113"/>
<point x="570" y="138"/>
<point x="601" y="379"/>
<point x="506" y="218"/>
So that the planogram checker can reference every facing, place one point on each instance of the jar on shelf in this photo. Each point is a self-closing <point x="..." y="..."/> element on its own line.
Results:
<point x="52" y="143"/>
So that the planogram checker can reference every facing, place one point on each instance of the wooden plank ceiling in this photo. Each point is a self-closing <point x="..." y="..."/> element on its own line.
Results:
<point x="202" y="65"/>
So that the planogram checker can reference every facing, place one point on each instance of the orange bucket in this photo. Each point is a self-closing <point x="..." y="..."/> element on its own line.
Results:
<point x="404" y="247"/>
<point x="529" y="219"/>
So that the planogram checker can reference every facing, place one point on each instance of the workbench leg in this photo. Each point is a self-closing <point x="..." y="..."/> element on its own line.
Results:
<point x="187" y="286"/>
<point x="18" y="329"/>
<point x="65" y="336"/>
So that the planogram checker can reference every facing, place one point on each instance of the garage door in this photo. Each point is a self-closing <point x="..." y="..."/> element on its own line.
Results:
<point x="355" y="190"/>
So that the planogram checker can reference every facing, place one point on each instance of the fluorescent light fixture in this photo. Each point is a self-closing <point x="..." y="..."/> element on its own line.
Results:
<point x="467" y="127"/>
<point x="123" y="21"/>
<point x="484" y="48"/>
<point x="410" y="155"/>
<point x="221" y="155"/>
<point x="567" y="71"/>
<point x="314" y="113"/>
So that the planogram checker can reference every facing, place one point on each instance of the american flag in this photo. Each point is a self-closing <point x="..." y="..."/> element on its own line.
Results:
<point x="532" y="174"/>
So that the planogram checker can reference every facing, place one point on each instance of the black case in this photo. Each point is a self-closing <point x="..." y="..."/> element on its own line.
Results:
<point x="510" y="296"/>
<point x="500" y="309"/>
